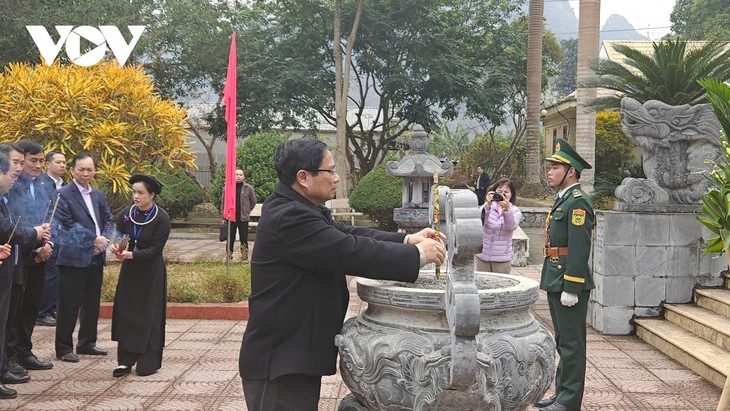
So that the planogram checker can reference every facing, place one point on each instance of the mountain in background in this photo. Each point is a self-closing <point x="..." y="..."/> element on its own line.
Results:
<point x="618" y="28"/>
<point x="562" y="20"/>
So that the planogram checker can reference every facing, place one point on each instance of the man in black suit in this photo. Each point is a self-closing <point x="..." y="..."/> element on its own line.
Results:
<point x="8" y="265"/>
<point x="28" y="198"/>
<point x="299" y="292"/>
<point x="85" y="226"/>
<point x="481" y="185"/>
<point x="26" y="236"/>
<point x="52" y="180"/>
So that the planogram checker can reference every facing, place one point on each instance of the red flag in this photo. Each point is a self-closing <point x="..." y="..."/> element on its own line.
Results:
<point x="229" y="99"/>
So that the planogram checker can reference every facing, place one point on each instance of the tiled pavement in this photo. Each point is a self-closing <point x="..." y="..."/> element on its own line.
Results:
<point x="200" y="369"/>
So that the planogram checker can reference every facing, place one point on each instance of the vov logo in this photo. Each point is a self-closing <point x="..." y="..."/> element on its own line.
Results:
<point x="103" y="37"/>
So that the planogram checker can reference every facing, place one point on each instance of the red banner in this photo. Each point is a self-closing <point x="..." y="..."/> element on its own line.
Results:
<point x="229" y="99"/>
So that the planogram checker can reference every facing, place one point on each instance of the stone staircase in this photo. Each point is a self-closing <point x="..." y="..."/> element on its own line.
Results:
<point x="696" y="335"/>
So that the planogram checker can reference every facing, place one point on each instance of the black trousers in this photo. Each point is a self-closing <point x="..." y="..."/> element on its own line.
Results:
<point x="27" y="299"/>
<point x="481" y="196"/>
<point x="242" y="227"/>
<point x="6" y="282"/>
<point x="294" y="392"/>
<point x="79" y="294"/>
<point x="48" y="304"/>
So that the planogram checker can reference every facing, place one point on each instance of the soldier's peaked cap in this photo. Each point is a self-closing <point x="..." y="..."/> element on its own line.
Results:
<point x="565" y="154"/>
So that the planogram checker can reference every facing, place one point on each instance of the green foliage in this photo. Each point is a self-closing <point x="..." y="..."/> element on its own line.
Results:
<point x="179" y="194"/>
<point x="565" y="82"/>
<point x="377" y="194"/>
<point x="489" y="151"/>
<point x="256" y="157"/>
<point x="613" y="148"/>
<point x="193" y="282"/>
<point x="447" y="143"/>
<point x="715" y="212"/>
<point x="701" y="19"/>
<point x="669" y="74"/>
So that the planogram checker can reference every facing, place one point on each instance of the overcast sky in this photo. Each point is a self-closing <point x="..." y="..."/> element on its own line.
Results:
<point x="649" y="17"/>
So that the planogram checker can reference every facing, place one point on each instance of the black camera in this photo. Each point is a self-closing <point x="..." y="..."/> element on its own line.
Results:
<point x="497" y="196"/>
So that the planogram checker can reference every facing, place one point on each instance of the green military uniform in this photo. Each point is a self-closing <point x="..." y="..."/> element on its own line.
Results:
<point x="567" y="248"/>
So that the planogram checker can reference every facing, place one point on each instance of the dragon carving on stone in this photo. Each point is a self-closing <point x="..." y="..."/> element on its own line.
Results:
<point x="676" y="143"/>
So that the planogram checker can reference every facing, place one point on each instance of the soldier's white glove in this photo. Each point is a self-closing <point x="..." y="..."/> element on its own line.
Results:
<point x="568" y="299"/>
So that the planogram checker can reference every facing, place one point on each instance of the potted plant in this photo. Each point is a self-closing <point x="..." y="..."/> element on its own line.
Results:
<point x="715" y="212"/>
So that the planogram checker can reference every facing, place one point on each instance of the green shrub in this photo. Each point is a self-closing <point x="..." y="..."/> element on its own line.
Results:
<point x="614" y="151"/>
<point x="179" y="194"/>
<point x="193" y="282"/>
<point x="256" y="157"/>
<point x="377" y="194"/>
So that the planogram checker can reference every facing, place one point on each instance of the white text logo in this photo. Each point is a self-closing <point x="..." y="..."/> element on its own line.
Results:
<point x="103" y="37"/>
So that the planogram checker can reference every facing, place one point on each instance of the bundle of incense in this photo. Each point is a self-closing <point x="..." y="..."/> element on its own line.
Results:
<point x="122" y="243"/>
<point x="436" y="212"/>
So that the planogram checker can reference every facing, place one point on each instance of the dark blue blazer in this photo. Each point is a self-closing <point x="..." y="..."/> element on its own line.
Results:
<point x="76" y="231"/>
<point x="50" y="186"/>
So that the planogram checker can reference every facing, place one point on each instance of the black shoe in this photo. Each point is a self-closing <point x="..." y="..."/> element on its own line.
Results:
<point x="32" y="362"/>
<point x="46" y="321"/>
<point x="68" y="357"/>
<point x="556" y="406"/>
<point x="16" y="368"/>
<point x="121" y="371"/>
<point x="10" y="378"/>
<point x="547" y="401"/>
<point x="145" y="373"/>
<point x="7" y="393"/>
<point x="93" y="350"/>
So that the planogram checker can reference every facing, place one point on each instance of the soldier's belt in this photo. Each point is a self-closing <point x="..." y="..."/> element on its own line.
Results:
<point x="555" y="252"/>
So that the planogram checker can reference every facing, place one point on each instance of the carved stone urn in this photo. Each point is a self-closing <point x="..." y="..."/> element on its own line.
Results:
<point x="464" y="341"/>
<point x="398" y="354"/>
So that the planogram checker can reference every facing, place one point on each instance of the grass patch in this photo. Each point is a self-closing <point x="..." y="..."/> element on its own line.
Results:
<point x="198" y="282"/>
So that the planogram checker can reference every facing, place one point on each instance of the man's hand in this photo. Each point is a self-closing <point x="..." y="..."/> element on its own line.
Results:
<point x="100" y="244"/>
<point x="124" y="255"/>
<point x="5" y="251"/>
<point x="433" y="250"/>
<point x="568" y="299"/>
<point x="44" y="253"/>
<point x="426" y="234"/>
<point x="43" y="232"/>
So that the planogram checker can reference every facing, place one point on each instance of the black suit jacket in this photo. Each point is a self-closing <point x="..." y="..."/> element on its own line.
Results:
<point x="483" y="181"/>
<point x="22" y="237"/>
<point x="299" y="293"/>
<point x="76" y="230"/>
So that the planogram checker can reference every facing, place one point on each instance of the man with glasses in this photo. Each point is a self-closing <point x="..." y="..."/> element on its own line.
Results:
<point x="299" y="292"/>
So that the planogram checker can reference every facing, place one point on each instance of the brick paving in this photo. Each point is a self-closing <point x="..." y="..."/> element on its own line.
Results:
<point x="200" y="368"/>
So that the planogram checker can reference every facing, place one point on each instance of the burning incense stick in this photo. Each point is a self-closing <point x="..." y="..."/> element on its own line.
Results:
<point x="13" y="232"/>
<point x="436" y="212"/>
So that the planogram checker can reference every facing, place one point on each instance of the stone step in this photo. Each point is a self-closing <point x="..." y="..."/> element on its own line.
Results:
<point x="701" y="322"/>
<point x="714" y="299"/>
<point x="706" y="359"/>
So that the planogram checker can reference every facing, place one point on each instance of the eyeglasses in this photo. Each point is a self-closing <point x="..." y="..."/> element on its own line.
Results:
<point x="332" y="172"/>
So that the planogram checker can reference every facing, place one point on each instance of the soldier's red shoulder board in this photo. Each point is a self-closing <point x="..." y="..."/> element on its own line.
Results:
<point x="577" y="193"/>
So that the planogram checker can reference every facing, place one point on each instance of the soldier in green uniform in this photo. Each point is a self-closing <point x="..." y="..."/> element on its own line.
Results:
<point x="566" y="276"/>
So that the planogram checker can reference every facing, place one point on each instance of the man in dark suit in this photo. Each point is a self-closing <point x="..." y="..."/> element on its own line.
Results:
<point x="481" y="185"/>
<point x="28" y="198"/>
<point x="9" y="253"/>
<point x="52" y="180"/>
<point x="299" y="293"/>
<point x="85" y="225"/>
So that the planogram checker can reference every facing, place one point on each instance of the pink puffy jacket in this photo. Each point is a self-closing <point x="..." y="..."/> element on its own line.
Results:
<point x="498" y="229"/>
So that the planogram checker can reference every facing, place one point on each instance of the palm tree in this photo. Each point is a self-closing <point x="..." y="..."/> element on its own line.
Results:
<point x="589" y="19"/>
<point x="670" y="74"/>
<point x="534" y="90"/>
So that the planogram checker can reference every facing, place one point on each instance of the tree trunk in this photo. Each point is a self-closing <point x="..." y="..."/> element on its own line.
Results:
<point x="589" y="20"/>
<point x="342" y="88"/>
<point x="534" y="91"/>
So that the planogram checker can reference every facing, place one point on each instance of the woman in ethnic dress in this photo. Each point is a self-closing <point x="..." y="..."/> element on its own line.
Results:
<point x="138" y="319"/>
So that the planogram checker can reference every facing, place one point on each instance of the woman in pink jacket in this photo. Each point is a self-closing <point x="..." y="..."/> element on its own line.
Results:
<point x="501" y="219"/>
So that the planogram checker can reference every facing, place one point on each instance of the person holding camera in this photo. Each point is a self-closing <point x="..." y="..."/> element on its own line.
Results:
<point x="501" y="218"/>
